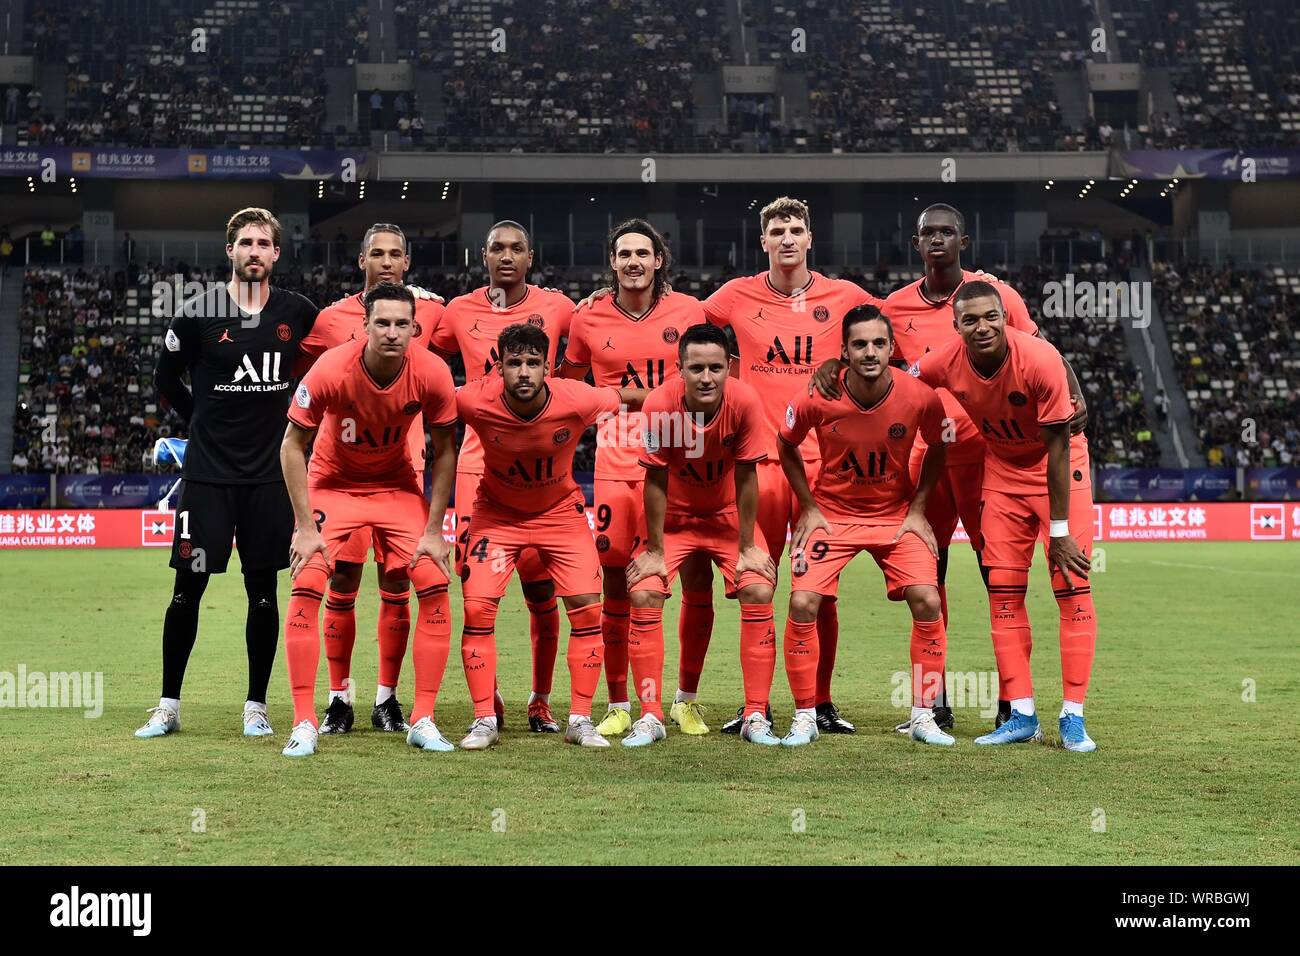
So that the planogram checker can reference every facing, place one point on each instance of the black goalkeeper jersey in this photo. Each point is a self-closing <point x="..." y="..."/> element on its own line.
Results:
<point x="241" y="379"/>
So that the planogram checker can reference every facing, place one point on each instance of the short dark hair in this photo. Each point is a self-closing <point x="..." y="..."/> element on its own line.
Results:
<point x="864" y="313"/>
<point x="508" y="224"/>
<point x="702" y="334"/>
<point x="642" y="228"/>
<point x="522" y="337"/>
<point x="379" y="227"/>
<point x="388" y="292"/>
<point x="943" y="207"/>
<point x="976" y="289"/>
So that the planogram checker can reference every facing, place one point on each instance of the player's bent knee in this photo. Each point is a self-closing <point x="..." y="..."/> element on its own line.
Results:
<point x="424" y="575"/>
<point x="756" y="594"/>
<point x="646" y="598"/>
<point x="480" y="614"/>
<point x="399" y="581"/>
<point x="313" y="576"/>
<point x="574" y="601"/>
<point x="346" y="577"/>
<point x="924" y="602"/>
<point x="804" y="605"/>
<point x="538" y="591"/>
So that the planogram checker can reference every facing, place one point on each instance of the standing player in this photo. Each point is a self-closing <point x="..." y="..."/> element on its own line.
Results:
<point x="921" y="314"/>
<point x="630" y="338"/>
<point x="1036" y="485"/>
<point x="865" y="499"/>
<point x="368" y="395"/>
<point x="384" y="257"/>
<point x="703" y="438"/>
<point x="782" y="319"/>
<point x="530" y="426"/>
<point x="238" y="344"/>
<point x="471" y="326"/>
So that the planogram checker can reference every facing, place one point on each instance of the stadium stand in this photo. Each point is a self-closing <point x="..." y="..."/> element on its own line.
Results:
<point x="1238" y="352"/>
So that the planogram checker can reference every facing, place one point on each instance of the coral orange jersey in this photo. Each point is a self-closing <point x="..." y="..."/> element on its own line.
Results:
<point x="921" y="326"/>
<point x="343" y="321"/>
<point x="471" y="325"/>
<point x="864" y="476"/>
<point x="783" y="338"/>
<point x="626" y="352"/>
<point x="1028" y="390"/>
<point x="528" y="463"/>
<point x="369" y="422"/>
<point x="701" y="457"/>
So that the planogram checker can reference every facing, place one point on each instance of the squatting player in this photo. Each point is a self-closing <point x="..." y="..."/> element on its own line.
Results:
<point x="470" y="327"/>
<point x="703" y="438"/>
<point x="630" y="338"/>
<point x="384" y="257"/>
<point x="529" y="426"/>
<point x="239" y="345"/>
<point x="782" y="319"/>
<point x="921" y="315"/>
<point x="865" y="500"/>
<point x="1036" y="485"/>
<point x="369" y="394"/>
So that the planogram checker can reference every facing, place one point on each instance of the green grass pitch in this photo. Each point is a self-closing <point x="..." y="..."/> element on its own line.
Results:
<point x="1193" y="706"/>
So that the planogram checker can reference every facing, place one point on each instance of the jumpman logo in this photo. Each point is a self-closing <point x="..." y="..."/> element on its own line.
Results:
<point x="473" y="655"/>
<point x="910" y="327"/>
<point x="758" y="317"/>
<point x="609" y="344"/>
<point x="835" y="428"/>
<point x="299" y="614"/>
<point x="1078" y="609"/>
<point x="802" y="642"/>
<point x="593" y="654"/>
<point x="474" y="328"/>
<point x="225" y="337"/>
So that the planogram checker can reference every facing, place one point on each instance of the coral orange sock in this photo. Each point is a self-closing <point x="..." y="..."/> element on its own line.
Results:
<point x="544" y="635"/>
<point x="432" y="637"/>
<point x="478" y="652"/>
<point x="801" y="661"/>
<point x="1078" y="635"/>
<point x="828" y="642"/>
<point x="302" y="640"/>
<point x="929" y="648"/>
<point x="645" y="651"/>
<point x="614" y="624"/>
<point x="394" y="631"/>
<point x="694" y="630"/>
<point x="757" y="655"/>
<point x="586" y="654"/>
<point x="1012" y="639"/>
<point x="340" y="635"/>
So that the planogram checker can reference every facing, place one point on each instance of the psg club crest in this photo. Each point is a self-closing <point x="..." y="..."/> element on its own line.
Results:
<point x="561" y="436"/>
<point x="411" y="408"/>
<point x="184" y="549"/>
<point x="728" y="441"/>
<point x="897" y="430"/>
<point x="283" y="332"/>
<point x="670" y="335"/>
<point x="821" y="313"/>
<point x="1017" y="399"/>
<point x="536" y="320"/>
<point x="602" y="543"/>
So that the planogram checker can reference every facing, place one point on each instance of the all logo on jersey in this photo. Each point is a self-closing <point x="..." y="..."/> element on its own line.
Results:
<point x="897" y="430"/>
<point x="874" y="464"/>
<point x="541" y="470"/>
<point x="1018" y="399"/>
<point x="821" y="313"/>
<point x="1007" y="429"/>
<point x="704" y="472"/>
<point x="671" y="335"/>
<point x="411" y="408"/>
<point x="283" y="332"/>
<point x="492" y="359"/>
<point x="654" y="375"/>
<point x="269" y="371"/>
<point x="801" y="350"/>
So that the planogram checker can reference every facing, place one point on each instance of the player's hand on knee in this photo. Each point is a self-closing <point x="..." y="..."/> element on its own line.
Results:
<point x="647" y="564"/>
<point x="434" y="547"/>
<point x="810" y="520"/>
<point x="1065" y="554"/>
<point x="827" y="379"/>
<point x="306" y="543"/>
<point x="756" y="559"/>
<point x="916" y="524"/>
